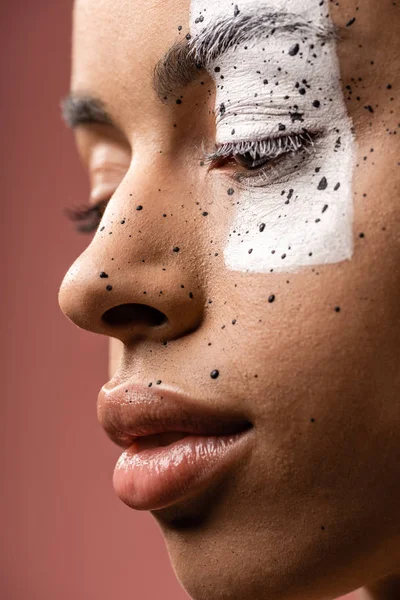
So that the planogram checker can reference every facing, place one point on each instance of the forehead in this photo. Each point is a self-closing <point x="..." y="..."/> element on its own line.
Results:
<point x="118" y="42"/>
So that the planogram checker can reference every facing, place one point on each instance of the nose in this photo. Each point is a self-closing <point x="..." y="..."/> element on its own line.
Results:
<point x="137" y="278"/>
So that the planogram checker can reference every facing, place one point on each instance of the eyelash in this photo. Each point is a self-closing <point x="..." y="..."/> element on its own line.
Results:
<point x="89" y="216"/>
<point x="266" y="148"/>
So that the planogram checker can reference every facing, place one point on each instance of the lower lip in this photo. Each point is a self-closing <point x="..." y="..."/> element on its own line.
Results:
<point x="155" y="478"/>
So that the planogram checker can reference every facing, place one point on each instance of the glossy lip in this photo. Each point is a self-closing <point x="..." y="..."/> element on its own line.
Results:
<point x="130" y="411"/>
<point x="150" y="475"/>
<point x="156" y="478"/>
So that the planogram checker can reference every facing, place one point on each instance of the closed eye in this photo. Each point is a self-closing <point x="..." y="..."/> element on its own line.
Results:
<point x="88" y="216"/>
<point x="253" y="155"/>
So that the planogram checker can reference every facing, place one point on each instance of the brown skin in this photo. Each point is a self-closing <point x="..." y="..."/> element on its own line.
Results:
<point x="321" y="388"/>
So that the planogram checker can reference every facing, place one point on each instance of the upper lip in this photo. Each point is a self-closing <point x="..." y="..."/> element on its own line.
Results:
<point x="129" y="411"/>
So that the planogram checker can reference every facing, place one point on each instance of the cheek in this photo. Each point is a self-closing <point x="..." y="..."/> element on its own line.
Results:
<point x="115" y="349"/>
<point x="304" y="219"/>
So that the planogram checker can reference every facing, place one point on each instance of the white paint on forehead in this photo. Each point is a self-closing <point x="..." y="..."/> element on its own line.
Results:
<point x="305" y="208"/>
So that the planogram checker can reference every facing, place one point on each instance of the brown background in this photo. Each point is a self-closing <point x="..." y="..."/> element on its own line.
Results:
<point x="66" y="535"/>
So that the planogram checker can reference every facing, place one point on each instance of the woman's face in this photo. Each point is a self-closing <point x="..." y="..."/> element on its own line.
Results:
<point x="252" y="189"/>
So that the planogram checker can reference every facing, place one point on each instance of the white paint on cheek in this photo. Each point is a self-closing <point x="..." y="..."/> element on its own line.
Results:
<point x="305" y="223"/>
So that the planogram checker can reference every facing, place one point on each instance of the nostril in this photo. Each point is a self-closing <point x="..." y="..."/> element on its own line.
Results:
<point x="129" y="314"/>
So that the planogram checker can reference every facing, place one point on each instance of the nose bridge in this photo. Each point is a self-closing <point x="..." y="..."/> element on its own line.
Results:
<point x="138" y="276"/>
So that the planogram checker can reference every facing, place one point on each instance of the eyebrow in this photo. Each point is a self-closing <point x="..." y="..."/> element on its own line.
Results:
<point x="182" y="63"/>
<point x="79" y="109"/>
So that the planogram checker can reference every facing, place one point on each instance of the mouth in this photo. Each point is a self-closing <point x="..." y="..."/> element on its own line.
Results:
<point x="174" y="447"/>
<point x="158" y="440"/>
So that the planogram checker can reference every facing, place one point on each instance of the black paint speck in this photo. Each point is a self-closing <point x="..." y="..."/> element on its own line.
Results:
<point x="109" y="288"/>
<point x="236" y="11"/>
<point x="140" y="207"/>
<point x="176" y="249"/>
<point x="316" y="104"/>
<point x="337" y="186"/>
<point x="103" y="275"/>
<point x="230" y="191"/>
<point x="323" y="184"/>
<point x="337" y="308"/>
<point x="296" y="116"/>
<point x="262" y="227"/>
<point x="349" y="23"/>
<point x="325" y="208"/>
<point x="293" y="50"/>
<point x="214" y="374"/>
<point x="179" y="101"/>
<point x="271" y="298"/>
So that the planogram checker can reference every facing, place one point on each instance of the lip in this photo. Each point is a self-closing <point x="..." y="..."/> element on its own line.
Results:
<point x="149" y="476"/>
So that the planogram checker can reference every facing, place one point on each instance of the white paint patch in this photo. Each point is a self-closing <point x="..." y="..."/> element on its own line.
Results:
<point x="305" y="207"/>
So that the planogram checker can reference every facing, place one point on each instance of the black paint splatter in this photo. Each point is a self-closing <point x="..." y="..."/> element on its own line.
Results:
<point x="296" y="116"/>
<point x="293" y="50"/>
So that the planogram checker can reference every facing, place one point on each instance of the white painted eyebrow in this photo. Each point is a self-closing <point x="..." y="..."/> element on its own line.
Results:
<point x="214" y="40"/>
